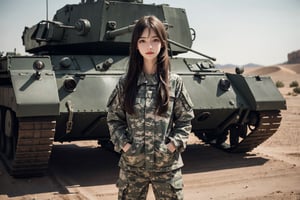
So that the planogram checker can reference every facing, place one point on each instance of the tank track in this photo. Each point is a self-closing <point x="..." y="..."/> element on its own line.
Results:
<point x="33" y="147"/>
<point x="269" y="123"/>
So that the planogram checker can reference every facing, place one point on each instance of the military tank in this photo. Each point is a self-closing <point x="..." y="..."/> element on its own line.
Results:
<point x="60" y="92"/>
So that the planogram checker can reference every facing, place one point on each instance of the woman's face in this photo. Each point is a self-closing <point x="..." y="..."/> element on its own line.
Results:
<point x="149" y="45"/>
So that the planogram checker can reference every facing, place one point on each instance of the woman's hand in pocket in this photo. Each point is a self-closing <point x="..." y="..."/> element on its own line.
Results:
<point x="126" y="147"/>
<point x="171" y="147"/>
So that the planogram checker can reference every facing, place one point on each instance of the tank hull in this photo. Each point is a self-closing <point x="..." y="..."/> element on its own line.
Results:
<point x="67" y="105"/>
<point x="60" y="93"/>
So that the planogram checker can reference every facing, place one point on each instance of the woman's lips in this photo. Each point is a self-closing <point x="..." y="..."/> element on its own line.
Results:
<point x="149" y="53"/>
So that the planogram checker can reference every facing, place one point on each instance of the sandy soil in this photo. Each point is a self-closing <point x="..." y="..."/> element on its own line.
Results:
<point x="82" y="170"/>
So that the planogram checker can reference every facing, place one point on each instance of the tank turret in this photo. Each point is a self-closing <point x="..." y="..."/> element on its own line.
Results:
<point x="78" y="31"/>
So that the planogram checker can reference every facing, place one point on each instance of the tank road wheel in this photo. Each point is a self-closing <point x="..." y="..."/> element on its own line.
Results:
<point x="2" y="134"/>
<point x="10" y="134"/>
<point x="236" y="133"/>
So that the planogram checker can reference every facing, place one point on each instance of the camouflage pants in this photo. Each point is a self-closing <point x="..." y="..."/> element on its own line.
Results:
<point x="133" y="185"/>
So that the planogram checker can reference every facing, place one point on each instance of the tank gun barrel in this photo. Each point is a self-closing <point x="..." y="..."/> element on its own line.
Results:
<point x="121" y="31"/>
<point x="128" y="29"/>
<point x="47" y="30"/>
<point x="189" y="49"/>
<point x="60" y="25"/>
<point x="57" y="24"/>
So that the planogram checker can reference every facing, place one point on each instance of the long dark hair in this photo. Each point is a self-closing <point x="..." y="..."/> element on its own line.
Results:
<point x="136" y="65"/>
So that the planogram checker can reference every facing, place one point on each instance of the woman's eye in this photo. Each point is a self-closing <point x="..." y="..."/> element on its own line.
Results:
<point x="156" y="40"/>
<point x="141" y="41"/>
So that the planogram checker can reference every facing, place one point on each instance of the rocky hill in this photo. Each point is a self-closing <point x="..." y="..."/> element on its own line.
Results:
<point x="294" y="57"/>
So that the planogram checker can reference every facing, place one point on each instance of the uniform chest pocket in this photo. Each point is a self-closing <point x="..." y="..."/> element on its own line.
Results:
<point x="139" y="105"/>
<point x="138" y="110"/>
<point x="169" y="112"/>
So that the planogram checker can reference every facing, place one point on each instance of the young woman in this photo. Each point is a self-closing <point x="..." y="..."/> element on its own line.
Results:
<point x="149" y="117"/>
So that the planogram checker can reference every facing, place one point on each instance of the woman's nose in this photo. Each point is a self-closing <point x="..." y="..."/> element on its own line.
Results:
<point x="150" y="46"/>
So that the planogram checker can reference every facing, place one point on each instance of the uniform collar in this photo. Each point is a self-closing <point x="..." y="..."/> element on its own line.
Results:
<point x="147" y="79"/>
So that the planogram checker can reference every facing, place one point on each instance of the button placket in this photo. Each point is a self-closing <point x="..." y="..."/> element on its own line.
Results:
<point x="149" y="127"/>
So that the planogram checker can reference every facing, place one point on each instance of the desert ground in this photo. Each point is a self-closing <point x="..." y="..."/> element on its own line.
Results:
<point x="83" y="170"/>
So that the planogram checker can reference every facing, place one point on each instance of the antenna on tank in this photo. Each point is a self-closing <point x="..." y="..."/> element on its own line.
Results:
<point x="47" y="10"/>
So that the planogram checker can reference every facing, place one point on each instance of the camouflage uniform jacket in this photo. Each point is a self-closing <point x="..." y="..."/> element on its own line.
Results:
<point x="147" y="132"/>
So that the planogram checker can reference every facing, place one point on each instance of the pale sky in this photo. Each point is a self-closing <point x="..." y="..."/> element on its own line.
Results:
<point x="233" y="31"/>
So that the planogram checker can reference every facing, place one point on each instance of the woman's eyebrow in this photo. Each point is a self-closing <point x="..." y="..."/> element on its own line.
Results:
<point x="154" y="36"/>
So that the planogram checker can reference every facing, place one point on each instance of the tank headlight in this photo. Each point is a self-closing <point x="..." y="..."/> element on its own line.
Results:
<point x="70" y="84"/>
<point x="224" y="84"/>
<point x="38" y="65"/>
<point x="239" y="70"/>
